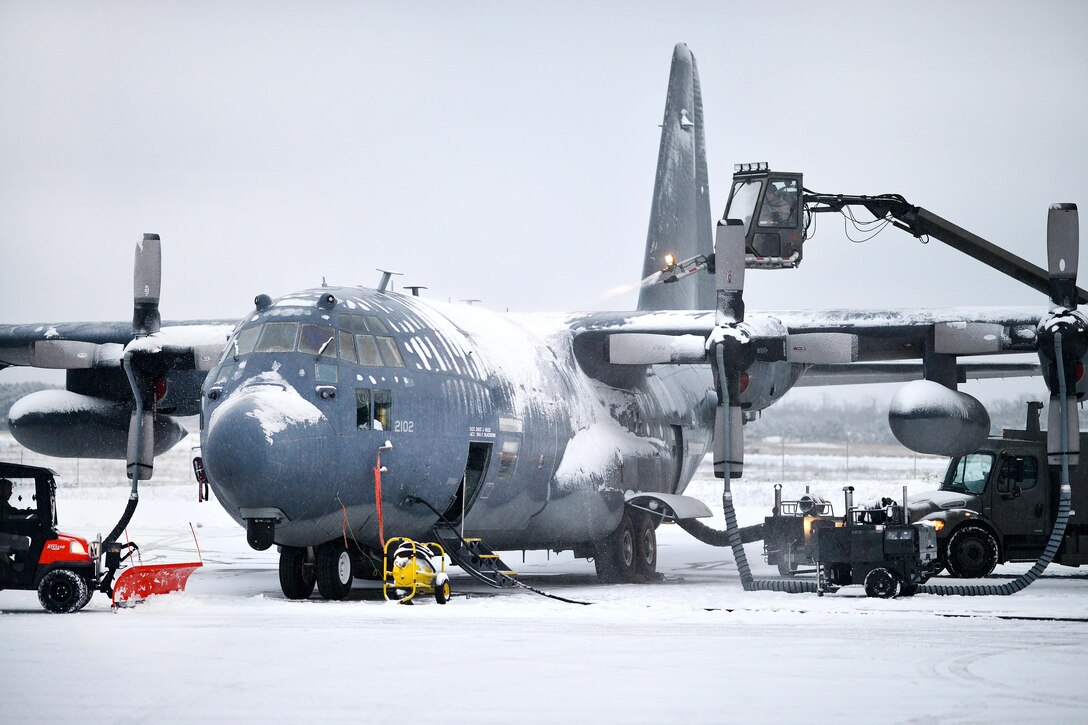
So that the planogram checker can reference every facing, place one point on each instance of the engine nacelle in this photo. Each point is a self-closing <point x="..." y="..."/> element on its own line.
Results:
<point x="64" y="424"/>
<point x="929" y="418"/>
<point x="767" y="382"/>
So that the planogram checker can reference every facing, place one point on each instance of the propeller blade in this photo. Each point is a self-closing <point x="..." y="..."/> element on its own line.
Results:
<point x="1054" y="446"/>
<point x="729" y="271"/>
<point x="141" y="456"/>
<point x="1063" y="251"/>
<point x="146" y="282"/>
<point x="728" y="420"/>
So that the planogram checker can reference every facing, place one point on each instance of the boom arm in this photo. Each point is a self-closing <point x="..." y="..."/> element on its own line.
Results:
<point x="922" y="222"/>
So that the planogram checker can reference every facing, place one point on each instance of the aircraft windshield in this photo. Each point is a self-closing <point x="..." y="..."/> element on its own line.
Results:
<point x="742" y="202"/>
<point x="968" y="474"/>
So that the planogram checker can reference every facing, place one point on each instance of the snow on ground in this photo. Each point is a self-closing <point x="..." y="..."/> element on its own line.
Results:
<point x="692" y="647"/>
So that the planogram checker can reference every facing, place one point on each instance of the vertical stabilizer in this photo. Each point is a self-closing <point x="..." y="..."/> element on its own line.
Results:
<point x="680" y="216"/>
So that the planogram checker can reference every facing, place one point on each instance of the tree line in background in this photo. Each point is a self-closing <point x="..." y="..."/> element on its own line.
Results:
<point x="10" y="392"/>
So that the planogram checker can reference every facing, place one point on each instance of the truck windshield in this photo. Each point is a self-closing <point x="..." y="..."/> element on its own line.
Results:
<point x="742" y="202"/>
<point x="968" y="474"/>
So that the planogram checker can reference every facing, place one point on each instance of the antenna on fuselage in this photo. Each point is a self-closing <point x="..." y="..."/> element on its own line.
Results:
<point x="415" y="288"/>
<point x="471" y="302"/>
<point x="383" y="286"/>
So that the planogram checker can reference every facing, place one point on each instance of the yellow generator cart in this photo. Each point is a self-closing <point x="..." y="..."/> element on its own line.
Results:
<point x="414" y="568"/>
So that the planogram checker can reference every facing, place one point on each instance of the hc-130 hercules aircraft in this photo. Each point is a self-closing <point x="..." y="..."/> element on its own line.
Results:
<point x="333" y="415"/>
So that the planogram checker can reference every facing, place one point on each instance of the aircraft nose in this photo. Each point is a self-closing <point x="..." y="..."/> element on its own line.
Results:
<point x="265" y="443"/>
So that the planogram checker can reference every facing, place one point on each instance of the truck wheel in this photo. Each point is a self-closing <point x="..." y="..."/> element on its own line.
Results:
<point x="62" y="591"/>
<point x="614" y="558"/>
<point x="645" y="548"/>
<point x="882" y="583"/>
<point x="972" y="553"/>
<point x="334" y="576"/>
<point x="297" y="577"/>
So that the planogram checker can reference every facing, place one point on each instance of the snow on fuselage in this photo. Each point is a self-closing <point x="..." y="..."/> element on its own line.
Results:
<point x="309" y="389"/>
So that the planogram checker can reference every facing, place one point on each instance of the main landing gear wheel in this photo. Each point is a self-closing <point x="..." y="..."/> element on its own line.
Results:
<point x="615" y="557"/>
<point x="882" y="583"/>
<point x="972" y="553"/>
<point x="62" y="591"/>
<point x="334" y="575"/>
<point x="645" y="547"/>
<point x="297" y="577"/>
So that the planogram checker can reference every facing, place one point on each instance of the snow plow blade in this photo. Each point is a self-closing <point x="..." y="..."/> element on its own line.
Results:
<point x="140" y="582"/>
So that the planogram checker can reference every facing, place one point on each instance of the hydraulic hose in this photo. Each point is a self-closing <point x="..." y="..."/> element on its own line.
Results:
<point x="134" y="495"/>
<point x="1056" y="534"/>
<point x="732" y="533"/>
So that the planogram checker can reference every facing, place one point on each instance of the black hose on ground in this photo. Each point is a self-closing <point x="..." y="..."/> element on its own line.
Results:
<point x="751" y="584"/>
<point x="1022" y="581"/>
<point x="714" y="537"/>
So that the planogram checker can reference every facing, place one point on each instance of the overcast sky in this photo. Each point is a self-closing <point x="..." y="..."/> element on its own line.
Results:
<point x="506" y="151"/>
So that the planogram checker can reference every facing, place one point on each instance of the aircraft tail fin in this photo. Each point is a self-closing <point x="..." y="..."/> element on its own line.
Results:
<point x="680" y="222"/>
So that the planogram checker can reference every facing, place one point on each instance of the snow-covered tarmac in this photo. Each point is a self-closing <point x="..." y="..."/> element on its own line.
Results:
<point x="693" y="647"/>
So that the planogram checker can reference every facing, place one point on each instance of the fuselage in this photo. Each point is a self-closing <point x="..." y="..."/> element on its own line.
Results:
<point x="492" y="422"/>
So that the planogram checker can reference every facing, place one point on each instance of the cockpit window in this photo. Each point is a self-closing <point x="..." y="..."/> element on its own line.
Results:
<point x="390" y="353"/>
<point x="278" y="337"/>
<point x="368" y="350"/>
<point x="968" y="474"/>
<point x="318" y="340"/>
<point x="366" y="323"/>
<point x="347" y="347"/>
<point x="376" y="325"/>
<point x="246" y="340"/>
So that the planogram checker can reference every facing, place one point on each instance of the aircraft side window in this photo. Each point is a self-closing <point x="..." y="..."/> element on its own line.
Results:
<point x="362" y="409"/>
<point x="508" y="458"/>
<point x="347" y="347"/>
<point x="318" y="340"/>
<point x="383" y="409"/>
<point x="390" y="353"/>
<point x="278" y="337"/>
<point x="325" y="373"/>
<point x="368" y="350"/>
<point x="224" y="374"/>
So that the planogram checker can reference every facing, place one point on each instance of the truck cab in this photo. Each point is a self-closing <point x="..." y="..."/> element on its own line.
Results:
<point x="998" y="504"/>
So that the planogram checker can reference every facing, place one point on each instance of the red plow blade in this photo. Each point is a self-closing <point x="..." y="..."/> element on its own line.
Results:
<point x="140" y="582"/>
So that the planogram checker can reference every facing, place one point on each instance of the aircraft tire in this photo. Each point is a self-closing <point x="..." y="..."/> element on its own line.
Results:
<point x="645" y="547"/>
<point x="972" y="553"/>
<point x="614" y="557"/>
<point x="334" y="575"/>
<point x="297" y="579"/>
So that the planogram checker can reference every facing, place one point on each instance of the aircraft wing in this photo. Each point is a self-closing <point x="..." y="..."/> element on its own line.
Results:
<point x="837" y="346"/>
<point x="190" y="345"/>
